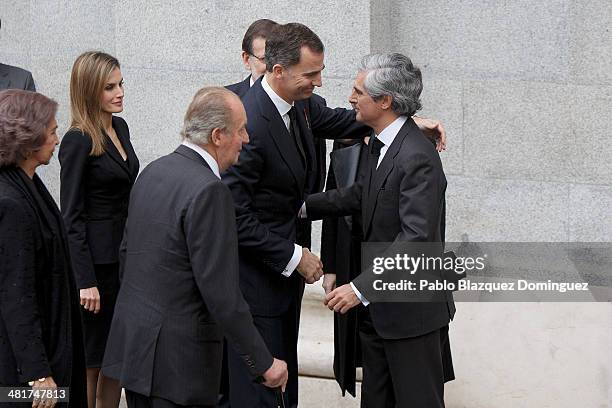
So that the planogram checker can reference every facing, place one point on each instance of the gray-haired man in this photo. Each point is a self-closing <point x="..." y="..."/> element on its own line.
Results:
<point x="179" y="291"/>
<point x="405" y="346"/>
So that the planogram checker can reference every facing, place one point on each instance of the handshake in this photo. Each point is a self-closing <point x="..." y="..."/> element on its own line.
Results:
<point x="310" y="266"/>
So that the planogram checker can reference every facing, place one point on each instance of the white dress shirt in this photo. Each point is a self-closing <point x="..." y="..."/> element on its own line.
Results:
<point x="387" y="136"/>
<point x="212" y="163"/>
<point x="283" y="109"/>
<point x="281" y="105"/>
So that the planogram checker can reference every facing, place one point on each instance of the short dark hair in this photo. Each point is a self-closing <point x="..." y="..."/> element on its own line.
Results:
<point x="258" y="29"/>
<point x="24" y="119"/>
<point x="285" y="43"/>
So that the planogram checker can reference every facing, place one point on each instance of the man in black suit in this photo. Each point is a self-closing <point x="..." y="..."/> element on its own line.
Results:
<point x="405" y="346"/>
<point x="253" y="58"/>
<point x="273" y="175"/>
<point x="179" y="291"/>
<point x="15" y="78"/>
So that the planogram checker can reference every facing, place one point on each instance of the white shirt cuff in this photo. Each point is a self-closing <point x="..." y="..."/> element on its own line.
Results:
<point x="302" y="212"/>
<point x="363" y="300"/>
<point x="294" y="261"/>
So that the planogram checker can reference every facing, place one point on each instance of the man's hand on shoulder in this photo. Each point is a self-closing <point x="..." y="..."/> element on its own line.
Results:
<point x="433" y="129"/>
<point x="310" y="266"/>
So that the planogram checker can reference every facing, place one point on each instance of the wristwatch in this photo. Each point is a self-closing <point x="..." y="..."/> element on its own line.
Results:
<point x="31" y="383"/>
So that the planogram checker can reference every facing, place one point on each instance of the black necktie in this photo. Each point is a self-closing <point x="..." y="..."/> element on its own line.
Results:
<point x="294" y="129"/>
<point x="376" y="146"/>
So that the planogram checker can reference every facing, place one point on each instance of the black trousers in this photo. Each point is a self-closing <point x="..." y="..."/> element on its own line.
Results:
<point x="135" y="400"/>
<point x="280" y="333"/>
<point x="404" y="373"/>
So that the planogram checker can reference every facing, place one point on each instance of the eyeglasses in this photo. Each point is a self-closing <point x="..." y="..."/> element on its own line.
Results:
<point x="260" y="59"/>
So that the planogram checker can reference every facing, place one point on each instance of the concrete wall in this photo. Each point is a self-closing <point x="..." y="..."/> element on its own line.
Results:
<point x="524" y="90"/>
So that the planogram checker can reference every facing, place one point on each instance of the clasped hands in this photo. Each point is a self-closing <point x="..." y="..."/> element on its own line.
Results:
<point x="339" y="299"/>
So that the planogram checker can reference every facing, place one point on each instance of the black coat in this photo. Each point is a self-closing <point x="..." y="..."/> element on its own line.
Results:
<point x="94" y="195"/>
<point x="40" y="327"/>
<point x="269" y="185"/>
<point x="341" y="239"/>
<point x="179" y="290"/>
<point x="304" y="228"/>
<point x="411" y="170"/>
<point x="240" y="88"/>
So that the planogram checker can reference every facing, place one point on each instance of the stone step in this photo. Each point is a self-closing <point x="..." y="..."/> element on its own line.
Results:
<point x="322" y="392"/>
<point x="316" y="341"/>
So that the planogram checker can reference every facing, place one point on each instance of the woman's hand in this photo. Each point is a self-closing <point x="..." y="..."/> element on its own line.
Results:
<point x="90" y="299"/>
<point x="43" y="401"/>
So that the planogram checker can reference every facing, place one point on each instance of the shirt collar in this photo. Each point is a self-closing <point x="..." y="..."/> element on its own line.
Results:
<point x="281" y="105"/>
<point x="212" y="163"/>
<point x="251" y="81"/>
<point x="388" y="134"/>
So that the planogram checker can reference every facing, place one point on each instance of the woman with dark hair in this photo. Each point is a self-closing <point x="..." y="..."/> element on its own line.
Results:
<point x="40" y="329"/>
<point x="98" y="169"/>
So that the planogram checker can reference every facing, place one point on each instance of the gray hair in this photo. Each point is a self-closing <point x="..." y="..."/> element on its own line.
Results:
<point x="207" y="111"/>
<point x="393" y="74"/>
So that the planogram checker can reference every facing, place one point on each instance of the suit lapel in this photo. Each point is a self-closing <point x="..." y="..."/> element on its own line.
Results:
<point x="131" y="164"/>
<point x="114" y="153"/>
<point x="244" y="86"/>
<point x="281" y="137"/>
<point x="308" y="142"/>
<point x="381" y="174"/>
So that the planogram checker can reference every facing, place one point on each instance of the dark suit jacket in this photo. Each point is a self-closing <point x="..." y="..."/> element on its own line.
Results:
<point x="179" y="290"/>
<point x="269" y="184"/>
<point x="303" y="234"/>
<point x="94" y="195"/>
<point x="16" y="78"/>
<point x="40" y="323"/>
<point x="405" y="204"/>
<point x="240" y="88"/>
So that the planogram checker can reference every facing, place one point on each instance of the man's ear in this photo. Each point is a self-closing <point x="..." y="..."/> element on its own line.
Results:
<point x="386" y="101"/>
<point x="277" y="71"/>
<point x="245" y="60"/>
<point x="215" y="137"/>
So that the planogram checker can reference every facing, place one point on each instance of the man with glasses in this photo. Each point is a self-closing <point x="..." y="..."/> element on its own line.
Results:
<point x="253" y="58"/>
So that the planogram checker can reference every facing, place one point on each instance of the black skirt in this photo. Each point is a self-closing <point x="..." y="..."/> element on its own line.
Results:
<point x="97" y="325"/>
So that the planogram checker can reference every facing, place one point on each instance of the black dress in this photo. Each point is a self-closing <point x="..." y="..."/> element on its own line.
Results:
<point x="94" y="195"/>
<point x="40" y="327"/>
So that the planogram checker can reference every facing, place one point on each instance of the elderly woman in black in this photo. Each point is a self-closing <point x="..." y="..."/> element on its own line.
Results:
<point x="40" y="330"/>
